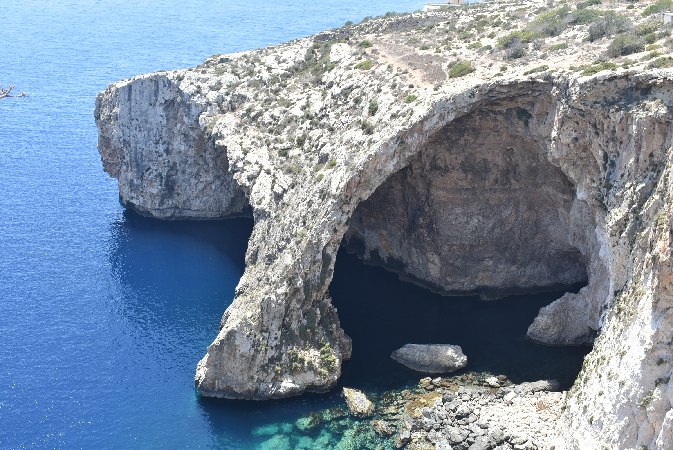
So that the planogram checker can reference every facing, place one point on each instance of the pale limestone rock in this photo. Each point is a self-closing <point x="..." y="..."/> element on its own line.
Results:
<point x="358" y="403"/>
<point x="492" y="381"/>
<point x="382" y="427"/>
<point x="286" y="134"/>
<point x="431" y="358"/>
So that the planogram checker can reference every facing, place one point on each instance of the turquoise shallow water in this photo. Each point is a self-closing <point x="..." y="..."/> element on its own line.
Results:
<point x="104" y="314"/>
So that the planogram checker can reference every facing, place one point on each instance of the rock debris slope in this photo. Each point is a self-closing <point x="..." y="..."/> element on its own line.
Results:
<point x="495" y="148"/>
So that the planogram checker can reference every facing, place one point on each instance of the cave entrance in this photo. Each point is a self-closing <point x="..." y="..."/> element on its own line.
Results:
<point x="478" y="212"/>
<point x="382" y="313"/>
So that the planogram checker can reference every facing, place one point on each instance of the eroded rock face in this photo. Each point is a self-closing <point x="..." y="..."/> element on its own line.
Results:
<point x="151" y="141"/>
<point x="480" y="208"/>
<point x="585" y="189"/>
<point x="431" y="358"/>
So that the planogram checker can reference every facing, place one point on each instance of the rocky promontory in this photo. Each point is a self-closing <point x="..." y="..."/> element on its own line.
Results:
<point x="501" y="147"/>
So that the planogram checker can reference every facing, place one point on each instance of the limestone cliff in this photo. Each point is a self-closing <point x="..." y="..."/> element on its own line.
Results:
<point x="453" y="149"/>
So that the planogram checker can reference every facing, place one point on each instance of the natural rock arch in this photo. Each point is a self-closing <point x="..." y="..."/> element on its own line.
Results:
<point x="274" y="346"/>
<point x="610" y="136"/>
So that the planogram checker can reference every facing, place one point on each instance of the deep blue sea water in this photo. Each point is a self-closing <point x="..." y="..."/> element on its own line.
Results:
<point x="104" y="314"/>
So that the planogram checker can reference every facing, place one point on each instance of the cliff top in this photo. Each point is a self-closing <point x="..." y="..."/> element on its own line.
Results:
<point x="378" y="71"/>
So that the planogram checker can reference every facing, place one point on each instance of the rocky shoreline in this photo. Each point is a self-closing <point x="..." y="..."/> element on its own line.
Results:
<point x="480" y="416"/>
<point x="471" y="411"/>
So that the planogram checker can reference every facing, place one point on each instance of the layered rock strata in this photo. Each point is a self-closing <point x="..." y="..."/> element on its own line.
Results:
<point x="525" y="178"/>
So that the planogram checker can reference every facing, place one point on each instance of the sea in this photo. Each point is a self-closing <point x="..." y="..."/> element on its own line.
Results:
<point x="104" y="313"/>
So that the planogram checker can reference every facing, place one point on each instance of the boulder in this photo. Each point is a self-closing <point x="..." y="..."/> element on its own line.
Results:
<point x="382" y="428"/>
<point x="538" y="386"/>
<point x="431" y="358"/>
<point x="308" y="423"/>
<point x="358" y="403"/>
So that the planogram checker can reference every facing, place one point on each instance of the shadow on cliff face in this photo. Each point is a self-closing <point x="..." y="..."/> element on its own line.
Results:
<point x="381" y="313"/>
<point x="479" y="210"/>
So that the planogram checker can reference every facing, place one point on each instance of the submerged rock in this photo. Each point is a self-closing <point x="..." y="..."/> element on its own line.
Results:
<point x="358" y="403"/>
<point x="278" y="442"/>
<point x="308" y="423"/>
<point x="431" y="358"/>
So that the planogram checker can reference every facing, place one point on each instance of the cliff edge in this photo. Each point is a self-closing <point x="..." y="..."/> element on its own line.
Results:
<point x="493" y="148"/>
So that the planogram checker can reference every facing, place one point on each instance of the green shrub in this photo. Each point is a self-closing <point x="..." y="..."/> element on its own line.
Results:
<point x="537" y="69"/>
<point x="651" y="55"/>
<point x="373" y="107"/>
<point x="551" y="23"/>
<point x="556" y="47"/>
<point x="410" y="98"/>
<point x="515" y="37"/>
<point x="515" y="43"/>
<point x="662" y="63"/>
<point x="626" y="44"/>
<point x="647" y="399"/>
<point x="364" y="65"/>
<point x="584" y="16"/>
<point x="367" y="128"/>
<point x="587" y="3"/>
<point x="610" y="23"/>
<point x="465" y="35"/>
<point x="647" y="28"/>
<point x="598" y="67"/>
<point x="460" y="69"/>
<point x="366" y="44"/>
<point x="516" y="51"/>
<point x="657" y="7"/>
<point x="331" y="163"/>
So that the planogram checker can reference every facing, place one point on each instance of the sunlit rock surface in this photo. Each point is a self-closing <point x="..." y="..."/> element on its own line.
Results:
<point x="528" y="176"/>
<point x="431" y="358"/>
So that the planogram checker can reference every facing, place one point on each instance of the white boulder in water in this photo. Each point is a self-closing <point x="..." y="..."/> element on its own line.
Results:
<point x="358" y="403"/>
<point x="431" y="358"/>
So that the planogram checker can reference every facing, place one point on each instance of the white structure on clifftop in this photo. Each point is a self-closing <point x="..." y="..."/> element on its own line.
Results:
<point x="668" y="18"/>
<point x="437" y="6"/>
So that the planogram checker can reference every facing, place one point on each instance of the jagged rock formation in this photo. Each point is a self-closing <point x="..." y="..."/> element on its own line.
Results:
<point x="167" y="167"/>
<point x="528" y="177"/>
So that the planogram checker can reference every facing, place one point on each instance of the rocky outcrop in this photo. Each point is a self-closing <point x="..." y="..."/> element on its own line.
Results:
<point x="358" y="403"/>
<point x="166" y="165"/>
<point x="431" y="358"/>
<point x="503" y="179"/>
